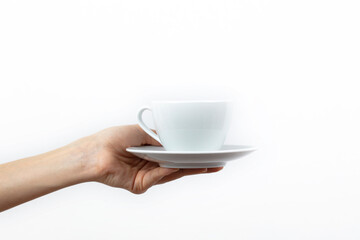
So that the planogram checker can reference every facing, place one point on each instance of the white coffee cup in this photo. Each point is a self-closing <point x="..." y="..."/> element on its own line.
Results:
<point x="189" y="125"/>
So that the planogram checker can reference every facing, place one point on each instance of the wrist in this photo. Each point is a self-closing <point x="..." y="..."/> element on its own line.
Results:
<point x="84" y="155"/>
<point x="76" y="162"/>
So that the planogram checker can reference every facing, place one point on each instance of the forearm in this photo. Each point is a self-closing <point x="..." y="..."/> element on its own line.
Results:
<point x="32" y="177"/>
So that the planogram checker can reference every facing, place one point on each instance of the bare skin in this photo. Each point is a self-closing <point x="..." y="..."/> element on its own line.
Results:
<point x="101" y="157"/>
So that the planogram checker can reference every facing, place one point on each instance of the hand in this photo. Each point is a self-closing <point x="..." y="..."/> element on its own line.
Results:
<point x="116" y="167"/>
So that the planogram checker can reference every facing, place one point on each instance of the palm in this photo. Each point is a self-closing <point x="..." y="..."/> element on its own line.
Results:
<point x="122" y="169"/>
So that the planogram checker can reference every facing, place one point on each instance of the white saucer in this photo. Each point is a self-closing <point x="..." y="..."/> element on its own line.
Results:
<point x="191" y="159"/>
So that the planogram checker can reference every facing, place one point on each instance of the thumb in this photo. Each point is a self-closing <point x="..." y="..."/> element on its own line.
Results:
<point x="147" y="139"/>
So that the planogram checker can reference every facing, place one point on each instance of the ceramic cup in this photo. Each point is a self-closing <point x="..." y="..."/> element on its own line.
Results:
<point x="189" y="125"/>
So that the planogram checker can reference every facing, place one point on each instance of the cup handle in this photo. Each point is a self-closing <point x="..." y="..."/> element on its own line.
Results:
<point x="144" y="127"/>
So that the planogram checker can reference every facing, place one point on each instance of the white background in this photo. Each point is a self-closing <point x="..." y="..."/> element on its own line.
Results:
<point x="70" y="68"/>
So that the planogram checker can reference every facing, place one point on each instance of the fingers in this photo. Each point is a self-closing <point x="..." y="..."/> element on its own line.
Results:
<point x="186" y="172"/>
<point x="181" y="173"/>
<point x="151" y="175"/>
<point x="155" y="175"/>
<point x="212" y="170"/>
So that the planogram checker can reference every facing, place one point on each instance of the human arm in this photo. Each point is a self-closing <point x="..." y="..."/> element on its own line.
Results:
<point x="101" y="157"/>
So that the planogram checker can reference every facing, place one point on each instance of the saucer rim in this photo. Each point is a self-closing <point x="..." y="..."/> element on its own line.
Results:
<point x="245" y="148"/>
<point x="194" y="101"/>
